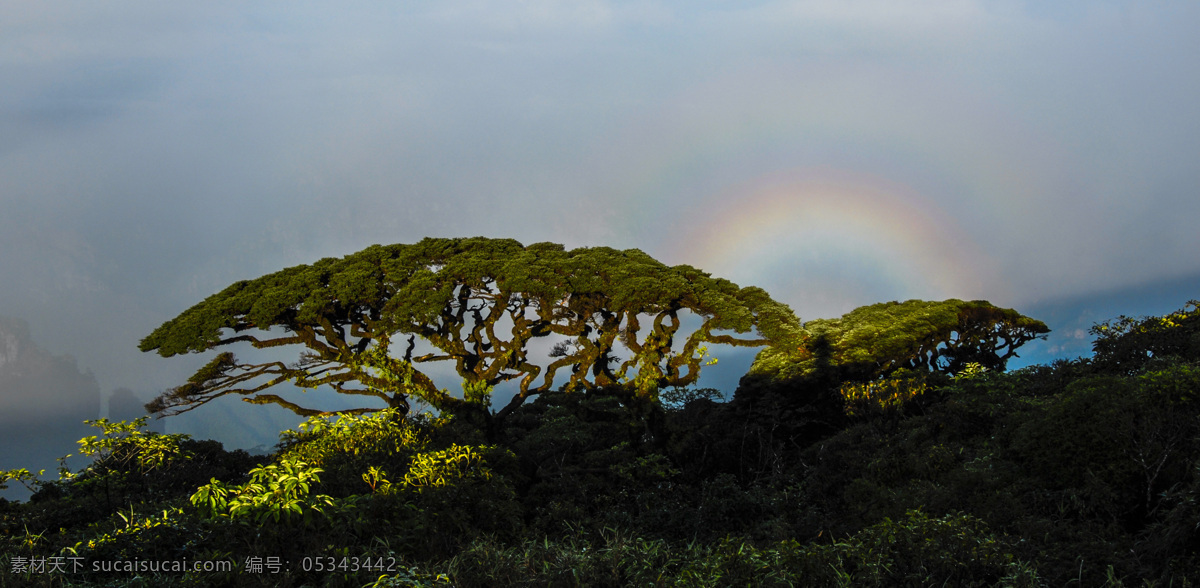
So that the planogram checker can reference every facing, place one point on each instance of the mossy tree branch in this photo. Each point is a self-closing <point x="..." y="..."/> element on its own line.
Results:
<point x="458" y="295"/>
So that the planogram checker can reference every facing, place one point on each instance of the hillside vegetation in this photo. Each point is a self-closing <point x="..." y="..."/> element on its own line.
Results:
<point x="844" y="459"/>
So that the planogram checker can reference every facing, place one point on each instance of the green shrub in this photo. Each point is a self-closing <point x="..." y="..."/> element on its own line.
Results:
<point x="1126" y="345"/>
<point x="349" y="445"/>
<point x="919" y="550"/>
<point x="280" y="492"/>
<point x="1116" y="442"/>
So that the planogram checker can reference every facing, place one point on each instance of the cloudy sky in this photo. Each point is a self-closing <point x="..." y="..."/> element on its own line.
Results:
<point x="835" y="152"/>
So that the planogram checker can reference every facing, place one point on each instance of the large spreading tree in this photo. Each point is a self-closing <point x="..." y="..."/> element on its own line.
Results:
<point x="367" y="323"/>
<point x="873" y="341"/>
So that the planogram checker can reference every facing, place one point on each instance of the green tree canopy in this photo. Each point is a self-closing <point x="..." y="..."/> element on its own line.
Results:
<point x="477" y="303"/>
<point x="873" y="341"/>
<point x="1127" y="344"/>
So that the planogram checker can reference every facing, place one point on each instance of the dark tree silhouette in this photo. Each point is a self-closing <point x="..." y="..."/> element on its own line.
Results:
<point x="1125" y="345"/>
<point x="477" y="303"/>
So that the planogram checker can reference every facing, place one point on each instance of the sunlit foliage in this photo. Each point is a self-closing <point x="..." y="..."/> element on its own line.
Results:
<point x="1128" y="344"/>
<point x="478" y="303"/>
<point x="280" y="492"/>
<point x="125" y="446"/>
<point x="881" y="395"/>
<point x="876" y="340"/>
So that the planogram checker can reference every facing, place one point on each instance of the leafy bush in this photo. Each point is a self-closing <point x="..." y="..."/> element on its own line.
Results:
<point x="456" y="495"/>
<point x="883" y="396"/>
<point x="349" y="445"/>
<point x="125" y="447"/>
<point x="917" y="550"/>
<point x="279" y="492"/>
<point x="435" y="469"/>
<point x="1117" y="442"/>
